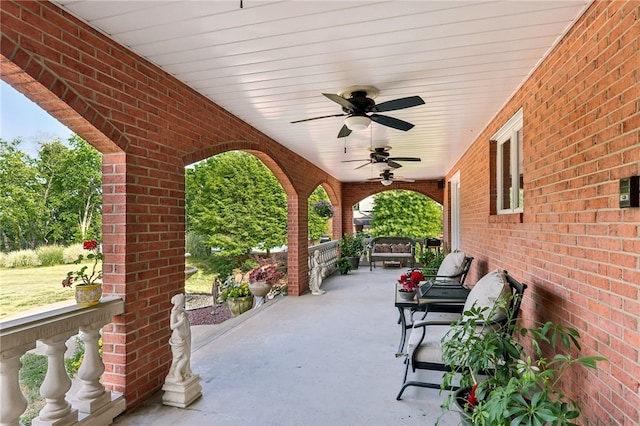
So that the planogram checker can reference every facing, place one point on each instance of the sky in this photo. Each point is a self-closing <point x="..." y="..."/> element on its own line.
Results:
<point x="19" y="117"/>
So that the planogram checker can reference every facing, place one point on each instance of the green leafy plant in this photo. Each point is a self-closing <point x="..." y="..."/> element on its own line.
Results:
<point x="352" y="245"/>
<point x="343" y="264"/>
<point x="431" y="261"/>
<point x="323" y="209"/>
<point x="81" y="276"/>
<point x="515" y="389"/>
<point x="72" y="365"/>
<point x="230" y="288"/>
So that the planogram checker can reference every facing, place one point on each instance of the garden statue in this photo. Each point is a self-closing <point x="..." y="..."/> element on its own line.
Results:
<point x="180" y="340"/>
<point x="181" y="386"/>
<point x="317" y="272"/>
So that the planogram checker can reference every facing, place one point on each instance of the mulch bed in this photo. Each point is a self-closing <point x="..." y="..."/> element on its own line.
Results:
<point x="210" y="315"/>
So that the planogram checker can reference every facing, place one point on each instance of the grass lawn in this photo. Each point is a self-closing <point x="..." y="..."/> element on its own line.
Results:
<point x="26" y="288"/>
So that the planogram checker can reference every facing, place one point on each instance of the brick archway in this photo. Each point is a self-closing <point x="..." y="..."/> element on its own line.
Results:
<point x="148" y="125"/>
<point x="353" y="192"/>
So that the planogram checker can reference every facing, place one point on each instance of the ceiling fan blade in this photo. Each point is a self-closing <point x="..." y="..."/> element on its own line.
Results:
<point x="372" y="179"/>
<point x="404" y="159"/>
<point x="318" y="118"/>
<point x="401" y="179"/>
<point x="391" y="122"/>
<point x="393" y="164"/>
<point x="358" y="160"/>
<point x="401" y="103"/>
<point x="344" y="103"/>
<point x="344" y="132"/>
<point x="365" y="164"/>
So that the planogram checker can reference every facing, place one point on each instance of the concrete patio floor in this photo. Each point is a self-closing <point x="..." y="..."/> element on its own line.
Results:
<point x="309" y="360"/>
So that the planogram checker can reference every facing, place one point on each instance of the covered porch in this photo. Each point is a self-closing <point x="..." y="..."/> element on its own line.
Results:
<point x="570" y="239"/>
<point x="312" y="360"/>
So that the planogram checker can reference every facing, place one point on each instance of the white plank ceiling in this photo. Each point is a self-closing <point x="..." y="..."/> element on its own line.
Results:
<point x="270" y="61"/>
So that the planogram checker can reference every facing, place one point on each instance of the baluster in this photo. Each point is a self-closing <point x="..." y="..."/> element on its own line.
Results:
<point x="57" y="410"/>
<point x="92" y="395"/>
<point x="13" y="402"/>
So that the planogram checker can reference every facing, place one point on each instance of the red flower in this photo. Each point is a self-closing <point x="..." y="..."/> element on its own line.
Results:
<point x="67" y="282"/>
<point x="472" y="400"/>
<point x="90" y="245"/>
<point x="411" y="280"/>
<point x="416" y="277"/>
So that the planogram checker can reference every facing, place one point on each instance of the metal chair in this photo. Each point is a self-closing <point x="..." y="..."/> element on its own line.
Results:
<point x="453" y="269"/>
<point x="449" y="274"/>
<point x="424" y="348"/>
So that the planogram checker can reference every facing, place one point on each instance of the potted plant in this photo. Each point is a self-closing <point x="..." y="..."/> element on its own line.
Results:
<point x="432" y="260"/>
<point x="262" y="278"/>
<point x="409" y="284"/>
<point x="88" y="286"/>
<point x="237" y="295"/>
<point x="323" y="209"/>
<point x="343" y="264"/>
<point x="352" y="247"/>
<point x="499" y="383"/>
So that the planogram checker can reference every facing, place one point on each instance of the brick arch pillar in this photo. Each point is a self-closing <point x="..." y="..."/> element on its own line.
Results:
<point x="143" y="240"/>
<point x="298" y="233"/>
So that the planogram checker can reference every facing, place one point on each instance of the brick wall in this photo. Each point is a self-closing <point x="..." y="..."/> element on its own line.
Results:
<point x="575" y="248"/>
<point x="149" y="126"/>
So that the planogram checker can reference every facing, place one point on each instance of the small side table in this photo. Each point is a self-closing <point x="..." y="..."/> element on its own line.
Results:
<point x="441" y="297"/>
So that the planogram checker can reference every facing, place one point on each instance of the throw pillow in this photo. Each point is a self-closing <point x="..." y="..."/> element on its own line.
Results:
<point x="491" y="288"/>
<point x="451" y="265"/>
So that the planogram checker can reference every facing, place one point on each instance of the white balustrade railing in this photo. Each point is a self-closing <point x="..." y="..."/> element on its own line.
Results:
<point x="322" y="263"/>
<point x="93" y="405"/>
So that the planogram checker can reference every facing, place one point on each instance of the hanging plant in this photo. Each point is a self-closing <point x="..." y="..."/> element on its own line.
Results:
<point x="323" y="209"/>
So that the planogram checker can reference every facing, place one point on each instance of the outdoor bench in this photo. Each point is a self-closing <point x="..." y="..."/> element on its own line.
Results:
<point x="397" y="249"/>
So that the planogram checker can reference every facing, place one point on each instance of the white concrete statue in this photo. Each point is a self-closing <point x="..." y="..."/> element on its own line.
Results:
<point x="317" y="272"/>
<point x="180" y="341"/>
<point x="181" y="387"/>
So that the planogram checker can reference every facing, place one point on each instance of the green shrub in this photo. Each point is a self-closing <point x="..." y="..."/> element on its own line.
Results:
<point x="50" y="255"/>
<point x="196" y="245"/>
<point x="34" y="368"/>
<point x="21" y="258"/>
<point x="248" y="265"/>
<point x="3" y="260"/>
<point x="71" y="253"/>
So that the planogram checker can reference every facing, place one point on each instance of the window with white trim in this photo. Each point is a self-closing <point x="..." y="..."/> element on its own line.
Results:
<point x="509" y="166"/>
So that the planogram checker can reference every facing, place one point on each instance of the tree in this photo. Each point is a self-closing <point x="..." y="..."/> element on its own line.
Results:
<point x="236" y="203"/>
<point x="55" y="198"/>
<point x="20" y="201"/>
<point x="72" y="190"/>
<point x="406" y="214"/>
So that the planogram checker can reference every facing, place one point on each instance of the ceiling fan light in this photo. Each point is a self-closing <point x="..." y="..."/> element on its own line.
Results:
<point x="379" y="165"/>
<point x="357" y="122"/>
<point x="386" y="182"/>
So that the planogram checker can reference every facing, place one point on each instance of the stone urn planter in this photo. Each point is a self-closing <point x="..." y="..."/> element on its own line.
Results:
<point x="259" y="288"/>
<point x="239" y="305"/>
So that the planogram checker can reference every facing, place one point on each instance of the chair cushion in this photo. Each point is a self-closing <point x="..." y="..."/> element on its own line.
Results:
<point x="452" y="264"/>
<point x="491" y="288"/>
<point x="431" y="347"/>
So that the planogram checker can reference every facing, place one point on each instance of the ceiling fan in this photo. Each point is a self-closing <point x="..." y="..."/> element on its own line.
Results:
<point x="380" y="156"/>
<point x="387" y="178"/>
<point x="357" y="102"/>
